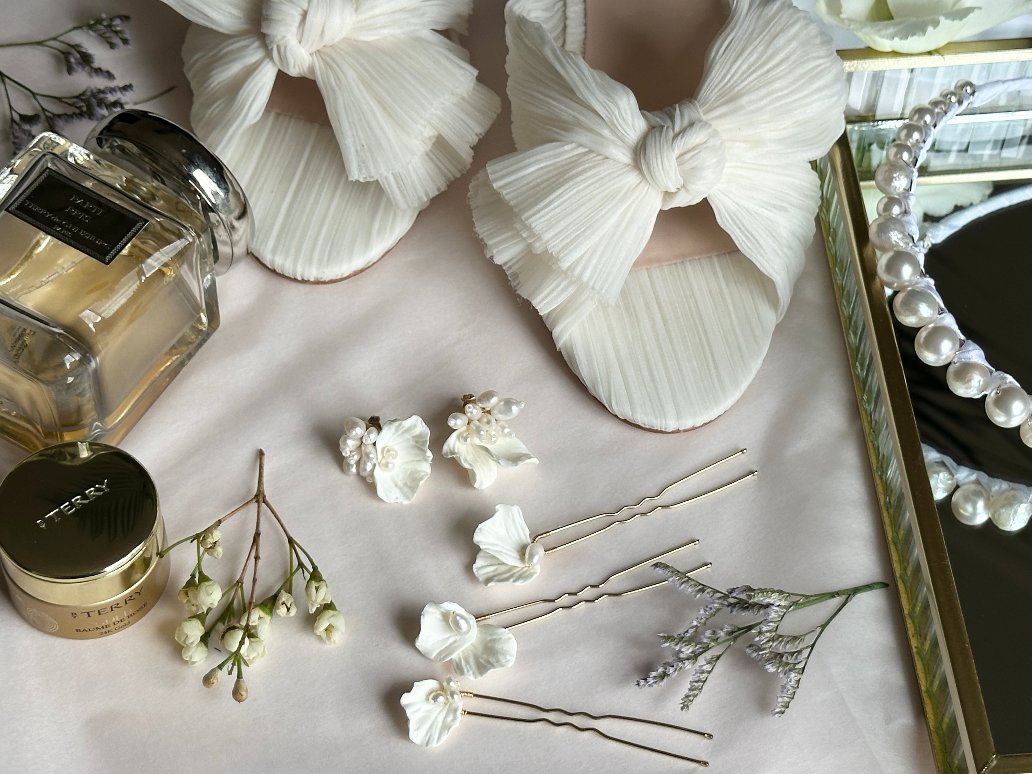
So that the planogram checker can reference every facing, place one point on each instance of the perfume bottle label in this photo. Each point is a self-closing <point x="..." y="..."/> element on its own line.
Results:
<point x="77" y="216"/>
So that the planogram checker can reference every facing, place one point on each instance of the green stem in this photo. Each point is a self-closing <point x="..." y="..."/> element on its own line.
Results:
<point x="809" y="600"/>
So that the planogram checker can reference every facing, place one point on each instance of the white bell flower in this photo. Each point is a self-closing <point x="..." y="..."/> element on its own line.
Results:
<point x="329" y="625"/>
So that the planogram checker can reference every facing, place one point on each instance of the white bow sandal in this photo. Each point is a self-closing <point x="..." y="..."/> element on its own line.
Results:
<point x="666" y="321"/>
<point x="335" y="180"/>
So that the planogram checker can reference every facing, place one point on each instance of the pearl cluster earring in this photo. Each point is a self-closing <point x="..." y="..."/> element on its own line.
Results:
<point x="482" y="440"/>
<point x="395" y="455"/>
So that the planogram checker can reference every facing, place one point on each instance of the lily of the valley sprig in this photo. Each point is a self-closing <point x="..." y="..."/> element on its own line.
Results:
<point x="449" y="633"/>
<point x="697" y="649"/>
<point x="508" y="554"/>
<point x="243" y="623"/>
<point x="482" y="440"/>
<point x="434" y="709"/>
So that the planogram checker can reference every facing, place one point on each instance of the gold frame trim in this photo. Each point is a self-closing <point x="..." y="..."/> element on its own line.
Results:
<point x="857" y="60"/>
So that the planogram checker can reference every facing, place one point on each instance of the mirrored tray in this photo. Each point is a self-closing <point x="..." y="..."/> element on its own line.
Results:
<point x="965" y="591"/>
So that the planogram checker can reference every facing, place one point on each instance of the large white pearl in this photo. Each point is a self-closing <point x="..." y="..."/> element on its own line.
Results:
<point x="888" y="232"/>
<point x="472" y="410"/>
<point x="915" y="307"/>
<point x="1008" y="405"/>
<point x="457" y="420"/>
<point x="508" y="408"/>
<point x="923" y="115"/>
<point x="895" y="178"/>
<point x="951" y="99"/>
<point x="901" y="151"/>
<point x="970" y="504"/>
<point x="896" y="206"/>
<point x="354" y="427"/>
<point x="941" y="479"/>
<point x="899" y="269"/>
<point x="370" y="436"/>
<point x="1010" y="510"/>
<point x="911" y="133"/>
<point x="488" y="399"/>
<point x="968" y="378"/>
<point x="366" y="467"/>
<point x="1026" y="432"/>
<point x="939" y="105"/>
<point x="936" y="344"/>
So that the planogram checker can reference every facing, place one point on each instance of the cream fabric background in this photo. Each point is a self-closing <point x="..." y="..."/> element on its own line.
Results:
<point x="433" y="320"/>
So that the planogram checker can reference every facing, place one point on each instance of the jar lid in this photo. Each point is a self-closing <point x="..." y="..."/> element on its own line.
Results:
<point x="175" y="158"/>
<point x="79" y="523"/>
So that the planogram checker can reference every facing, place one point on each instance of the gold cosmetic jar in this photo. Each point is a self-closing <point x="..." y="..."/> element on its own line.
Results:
<point x="80" y="533"/>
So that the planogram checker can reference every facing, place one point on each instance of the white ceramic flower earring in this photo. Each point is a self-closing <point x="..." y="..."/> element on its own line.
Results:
<point x="393" y="455"/>
<point x="482" y="440"/>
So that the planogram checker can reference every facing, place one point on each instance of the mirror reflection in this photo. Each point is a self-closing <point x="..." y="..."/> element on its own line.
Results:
<point x="974" y="206"/>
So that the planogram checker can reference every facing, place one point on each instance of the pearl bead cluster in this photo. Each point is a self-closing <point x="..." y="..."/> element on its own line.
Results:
<point x="1008" y="505"/>
<point x="916" y="304"/>
<point x="359" y="447"/>
<point x="484" y="418"/>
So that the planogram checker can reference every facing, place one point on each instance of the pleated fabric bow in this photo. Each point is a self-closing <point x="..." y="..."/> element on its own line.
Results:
<point x="403" y="102"/>
<point x="568" y="214"/>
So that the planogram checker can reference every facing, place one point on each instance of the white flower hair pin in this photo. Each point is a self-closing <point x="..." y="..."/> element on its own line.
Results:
<point x="508" y="554"/>
<point x="435" y="707"/>
<point x="393" y="455"/>
<point x="447" y="632"/>
<point x="245" y="620"/>
<point x="482" y="440"/>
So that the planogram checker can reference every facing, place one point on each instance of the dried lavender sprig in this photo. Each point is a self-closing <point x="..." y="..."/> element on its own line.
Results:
<point x="53" y="111"/>
<point x="698" y="652"/>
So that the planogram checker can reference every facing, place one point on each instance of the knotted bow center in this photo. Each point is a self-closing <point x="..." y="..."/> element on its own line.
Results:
<point x="295" y="29"/>
<point x="681" y="155"/>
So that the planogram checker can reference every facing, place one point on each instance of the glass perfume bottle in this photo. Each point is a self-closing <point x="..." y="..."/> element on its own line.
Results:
<point x="108" y="257"/>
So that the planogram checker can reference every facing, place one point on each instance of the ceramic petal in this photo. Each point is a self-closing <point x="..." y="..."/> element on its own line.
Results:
<point x="444" y="630"/>
<point x="482" y="467"/>
<point x="433" y="710"/>
<point x="409" y="440"/>
<point x="510" y="451"/>
<point x="493" y="648"/>
<point x="507" y="554"/>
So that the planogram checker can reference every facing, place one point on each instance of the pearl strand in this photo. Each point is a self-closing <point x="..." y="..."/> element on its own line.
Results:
<point x="900" y="267"/>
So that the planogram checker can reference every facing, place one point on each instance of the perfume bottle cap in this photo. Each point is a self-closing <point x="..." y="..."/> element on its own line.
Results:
<point x="175" y="158"/>
<point x="79" y="524"/>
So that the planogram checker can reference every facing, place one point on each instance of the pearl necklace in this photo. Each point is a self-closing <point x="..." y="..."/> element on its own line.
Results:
<point x="977" y="497"/>
<point x="894" y="233"/>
